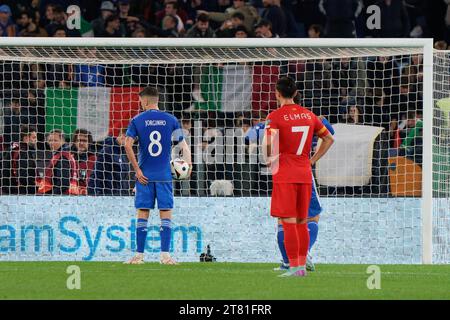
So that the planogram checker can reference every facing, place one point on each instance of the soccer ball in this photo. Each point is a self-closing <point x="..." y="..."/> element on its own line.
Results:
<point x="179" y="169"/>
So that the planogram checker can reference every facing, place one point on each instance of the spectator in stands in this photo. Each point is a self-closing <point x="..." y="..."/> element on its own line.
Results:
<point x="128" y="23"/>
<point x="440" y="45"/>
<point x="340" y="17"/>
<point x="247" y="13"/>
<point x="201" y="29"/>
<point x="13" y="116"/>
<point x="169" y="27"/>
<point x="60" y="175"/>
<point x="384" y="72"/>
<point x="412" y="144"/>
<point x="171" y="9"/>
<point x="274" y="13"/>
<point x="354" y="115"/>
<point x="7" y="26"/>
<point x="59" y="19"/>
<point x="111" y="174"/>
<point x="59" y="32"/>
<point x="19" y="170"/>
<point x="139" y="33"/>
<point x="315" y="31"/>
<point x="241" y="32"/>
<point x="112" y="27"/>
<point x="228" y="28"/>
<point x="394" y="20"/>
<point x="83" y="152"/>
<point x="263" y="29"/>
<point x="48" y="14"/>
<point x="28" y="27"/>
<point x="107" y="9"/>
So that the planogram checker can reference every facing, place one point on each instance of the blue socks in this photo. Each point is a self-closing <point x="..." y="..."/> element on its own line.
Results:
<point x="141" y="234"/>
<point x="165" y="233"/>
<point x="280" y="240"/>
<point x="313" y="228"/>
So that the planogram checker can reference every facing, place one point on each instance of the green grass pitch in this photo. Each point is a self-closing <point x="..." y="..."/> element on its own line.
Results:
<point x="113" y="280"/>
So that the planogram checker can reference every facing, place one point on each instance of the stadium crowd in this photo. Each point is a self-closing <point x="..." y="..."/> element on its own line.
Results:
<point x="227" y="18"/>
<point x="380" y="91"/>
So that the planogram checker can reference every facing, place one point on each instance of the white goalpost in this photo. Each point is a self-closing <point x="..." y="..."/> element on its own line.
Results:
<point x="384" y="185"/>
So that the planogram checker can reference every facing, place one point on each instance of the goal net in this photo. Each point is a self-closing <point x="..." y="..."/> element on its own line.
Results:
<point x="67" y="186"/>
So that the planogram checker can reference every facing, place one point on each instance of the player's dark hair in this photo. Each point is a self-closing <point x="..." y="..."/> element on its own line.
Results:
<point x="238" y="15"/>
<point x="149" y="92"/>
<point x="286" y="87"/>
<point x="77" y="132"/>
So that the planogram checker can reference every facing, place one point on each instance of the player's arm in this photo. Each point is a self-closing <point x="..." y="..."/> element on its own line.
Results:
<point x="327" y="124"/>
<point x="268" y="144"/>
<point x="327" y="141"/>
<point x="129" y="141"/>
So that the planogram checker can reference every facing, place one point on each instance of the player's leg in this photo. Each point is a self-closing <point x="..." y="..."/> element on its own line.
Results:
<point x="280" y="240"/>
<point x="303" y="194"/>
<point x="313" y="229"/>
<point x="291" y="243"/>
<point x="314" y="211"/>
<point x="283" y="206"/>
<point x="164" y="197"/>
<point x="304" y="198"/>
<point x="144" y="201"/>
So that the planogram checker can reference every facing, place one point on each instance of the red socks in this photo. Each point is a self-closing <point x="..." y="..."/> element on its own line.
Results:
<point x="296" y="242"/>
<point x="303" y="242"/>
<point x="291" y="243"/>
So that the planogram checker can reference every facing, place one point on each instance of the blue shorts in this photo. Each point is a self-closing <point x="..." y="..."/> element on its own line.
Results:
<point x="146" y="195"/>
<point x="314" y="206"/>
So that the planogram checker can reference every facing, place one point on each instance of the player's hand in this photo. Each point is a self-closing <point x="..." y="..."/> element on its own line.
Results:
<point x="141" y="178"/>
<point x="312" y="162"/>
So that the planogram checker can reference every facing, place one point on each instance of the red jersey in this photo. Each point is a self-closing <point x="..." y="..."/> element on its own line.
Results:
<point x="296" y="127"/>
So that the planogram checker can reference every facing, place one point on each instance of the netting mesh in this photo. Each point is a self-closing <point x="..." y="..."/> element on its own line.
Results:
<point x="369" y="182"/>
<point x="441" y="157"/>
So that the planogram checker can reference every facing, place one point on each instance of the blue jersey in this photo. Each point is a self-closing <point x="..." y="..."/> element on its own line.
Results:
<point x="328" y="126"/>
<point x="315" y="207"/>
<point x="155" y="130"/>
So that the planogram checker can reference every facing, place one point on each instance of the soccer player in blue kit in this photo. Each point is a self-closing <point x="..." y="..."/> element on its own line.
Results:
<point x="315" y="209"/>
<point x="155" y="131"/>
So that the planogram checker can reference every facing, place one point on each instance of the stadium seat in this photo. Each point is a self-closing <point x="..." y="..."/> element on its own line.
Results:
<point x="405" y="177"/>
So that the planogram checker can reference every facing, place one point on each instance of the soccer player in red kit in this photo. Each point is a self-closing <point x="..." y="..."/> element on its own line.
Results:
<point x="289" y="133"/>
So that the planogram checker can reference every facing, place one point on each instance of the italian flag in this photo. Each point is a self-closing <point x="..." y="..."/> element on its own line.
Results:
<point x="237" y="87"/>
<point x="102" y="111"/>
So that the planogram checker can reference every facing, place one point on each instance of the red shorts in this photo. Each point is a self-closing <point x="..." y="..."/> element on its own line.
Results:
<point x="290" y="200"/>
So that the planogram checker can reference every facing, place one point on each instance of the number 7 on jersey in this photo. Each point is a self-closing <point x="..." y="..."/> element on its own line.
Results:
<point x="304" y="130"/>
